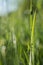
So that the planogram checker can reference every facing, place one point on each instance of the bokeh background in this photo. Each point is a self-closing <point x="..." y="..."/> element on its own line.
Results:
<point x="15" y="32"/>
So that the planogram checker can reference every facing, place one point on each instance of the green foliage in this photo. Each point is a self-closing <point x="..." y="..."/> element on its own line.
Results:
<point x="22" y="26"/>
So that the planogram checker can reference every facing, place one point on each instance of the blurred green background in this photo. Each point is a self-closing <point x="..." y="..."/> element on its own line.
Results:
<point x="15" y="34"/>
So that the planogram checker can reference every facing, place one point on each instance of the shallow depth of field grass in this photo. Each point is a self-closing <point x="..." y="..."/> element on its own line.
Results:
<point x="21" y="35"/>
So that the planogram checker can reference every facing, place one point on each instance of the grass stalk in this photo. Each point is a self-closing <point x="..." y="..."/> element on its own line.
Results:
<point x="32" y="41"/>
<point x="32" y="27"/>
